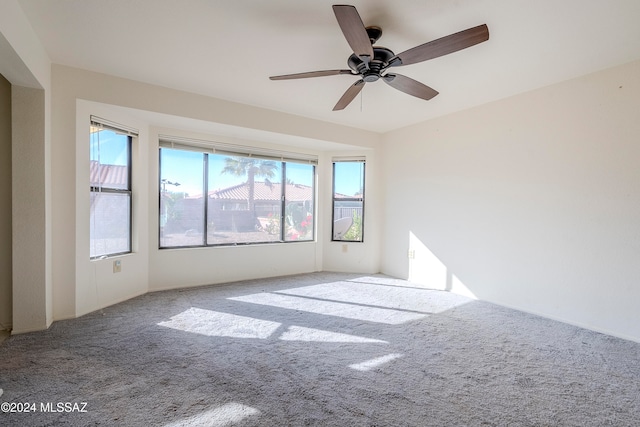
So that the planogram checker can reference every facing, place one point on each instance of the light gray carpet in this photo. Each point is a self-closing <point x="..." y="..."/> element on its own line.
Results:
<point x="322" y="349"/>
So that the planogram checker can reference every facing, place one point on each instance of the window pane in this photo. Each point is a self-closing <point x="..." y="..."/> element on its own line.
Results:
<point x="109" y="159"/>
<point x="347" y="220"/>
<point x="299" y="221"/>
<point x="181" y="198"/>
<point x="245" y="200"/>
<point x="110" y="223"/>
<point x="348" y="201"/>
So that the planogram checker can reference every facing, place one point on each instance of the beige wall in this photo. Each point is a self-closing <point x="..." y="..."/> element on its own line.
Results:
<point x="31" y="296"/>
<point x="5" y="206"/>
<point x="25" y="64"/>
<point x="531" y="202"/>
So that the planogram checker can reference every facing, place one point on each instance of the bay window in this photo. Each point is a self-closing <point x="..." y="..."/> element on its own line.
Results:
<point x="216" y="194"/>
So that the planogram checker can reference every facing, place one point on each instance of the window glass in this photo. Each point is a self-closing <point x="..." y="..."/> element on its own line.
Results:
<point x="110" y="193"/>
<point x="109" y="159"/>
<point x="181" y="198"/>
<point x="110" y="223"/>
<point x="245" y="200"/>
<point x="348" y="201"/>
<point x="233" y="199"/>
<point x="299" y="208"/>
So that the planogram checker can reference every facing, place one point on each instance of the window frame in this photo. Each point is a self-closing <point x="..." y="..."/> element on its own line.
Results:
<point x="360" y="199"/>
<point x="129" y="134"/>
<point x="207" y="148"/>
<point x="285" y="200"/>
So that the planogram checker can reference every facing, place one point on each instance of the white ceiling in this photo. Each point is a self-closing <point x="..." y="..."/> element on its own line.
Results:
<point x="228" y="48"/>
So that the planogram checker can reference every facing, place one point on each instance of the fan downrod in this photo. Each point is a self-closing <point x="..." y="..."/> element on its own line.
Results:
<point x="374" y="33"/>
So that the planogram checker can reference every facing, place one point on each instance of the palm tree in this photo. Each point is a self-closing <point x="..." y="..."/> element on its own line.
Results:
<point x="252" y="168"/>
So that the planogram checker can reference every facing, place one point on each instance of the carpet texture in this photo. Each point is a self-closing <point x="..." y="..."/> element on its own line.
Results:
<point x="321" y="349"/>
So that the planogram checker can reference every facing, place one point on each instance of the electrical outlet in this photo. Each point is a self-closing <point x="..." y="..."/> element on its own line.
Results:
<point x="345" y="248"/>
<point x="411" y="253"/>
<point x="117" y="266"/>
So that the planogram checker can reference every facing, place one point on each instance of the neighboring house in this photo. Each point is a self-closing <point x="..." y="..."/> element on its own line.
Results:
<point x="266" y="197"/>
<point x="347" y="208"/>
<point x="228" y="208"/>
<point x="112" y="176"/>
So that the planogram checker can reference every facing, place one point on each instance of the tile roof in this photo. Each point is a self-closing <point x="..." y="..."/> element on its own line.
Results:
<point x="263" y="191"/>
<point x="115" y="176"/>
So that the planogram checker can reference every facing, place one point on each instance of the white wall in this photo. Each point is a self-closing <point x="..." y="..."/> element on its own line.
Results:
<point x="24" y="60"/>
<point x="6" y="314"/>
<point x="82" y="285"/>
<point x="530" y="202"/>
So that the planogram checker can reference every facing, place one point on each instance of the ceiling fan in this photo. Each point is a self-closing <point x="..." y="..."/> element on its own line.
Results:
<point x="372" y="62"/>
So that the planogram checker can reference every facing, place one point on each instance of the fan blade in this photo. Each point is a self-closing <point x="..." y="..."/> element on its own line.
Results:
<point x="409" y="86"/>
<point x="348" y="96"/>
<point x="311" y="74"/>
<point x="353" y="30"/>
<point x="443" y="46"/>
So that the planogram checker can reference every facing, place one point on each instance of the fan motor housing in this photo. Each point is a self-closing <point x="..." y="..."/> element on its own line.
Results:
<point x="381" y="57"/>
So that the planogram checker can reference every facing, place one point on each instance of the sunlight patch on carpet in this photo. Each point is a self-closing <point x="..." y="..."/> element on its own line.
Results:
<point x="332" y="308"/>
<point x="300" y="333"/>
<point x="225" y="415"/>
<point x="425" y="301"/>
<point x="216" y="324"/>
<point x="368" y="365"/>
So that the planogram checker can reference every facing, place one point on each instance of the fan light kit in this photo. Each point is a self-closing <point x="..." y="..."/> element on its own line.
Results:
<point x="372" y="62"/>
